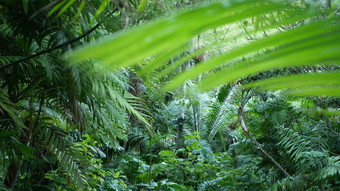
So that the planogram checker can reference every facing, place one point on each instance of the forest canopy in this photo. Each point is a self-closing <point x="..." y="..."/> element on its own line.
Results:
<point x="169" y="95"/>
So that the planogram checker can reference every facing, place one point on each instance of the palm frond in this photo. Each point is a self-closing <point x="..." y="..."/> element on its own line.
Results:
<point x="313" y="39"/>
<point x="130" y="107"/>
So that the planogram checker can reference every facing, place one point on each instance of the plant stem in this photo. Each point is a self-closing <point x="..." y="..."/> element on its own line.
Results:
<point x="258" y="145"/>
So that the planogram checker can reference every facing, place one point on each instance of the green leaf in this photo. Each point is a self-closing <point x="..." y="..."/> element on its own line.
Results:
<point x="315" y="91"/>
<point x="117" y="174"/>
<point x="81" y="7"/>
<point x="313" y="37"/>
<point x="56" y="7"/>
<point x="297" y="81"/>
<point x="303" y="85"/>
<point x="25" y="5"/>
<point x="25" y="150"/>
<point x="12" y="113"/>
<point x="166" y="34"/>
<point x="142" y="5"/>
<point x="101" y="8"/>
<point x="4" y="134"/>
<point x="65" y="7"/>
<point x="309" y="42"/>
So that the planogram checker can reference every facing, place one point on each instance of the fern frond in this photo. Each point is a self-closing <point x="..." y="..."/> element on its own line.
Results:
<point x="309" y="155"/>
<point x="126" y="105"/>
<point x="222" y="112"/>
<point x="293" y="143"/>
<point x="330" y="169"/>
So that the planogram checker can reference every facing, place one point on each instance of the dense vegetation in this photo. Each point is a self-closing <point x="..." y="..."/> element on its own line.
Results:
<point x="169" y="95"/>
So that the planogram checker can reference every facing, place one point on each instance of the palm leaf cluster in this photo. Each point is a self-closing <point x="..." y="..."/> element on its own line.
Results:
<point x="44" y="99"/>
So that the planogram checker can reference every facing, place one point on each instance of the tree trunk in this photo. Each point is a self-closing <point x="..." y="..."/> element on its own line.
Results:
<point x="12" y="173"/>
<point x="136" y="90"/>
<point x="180" y="137"/>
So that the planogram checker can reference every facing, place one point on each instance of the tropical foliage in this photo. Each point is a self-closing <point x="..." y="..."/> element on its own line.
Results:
<point x="169" y="95"/>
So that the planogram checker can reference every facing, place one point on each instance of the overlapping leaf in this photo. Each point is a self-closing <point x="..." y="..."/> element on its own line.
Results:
<point x="315" y="40"/>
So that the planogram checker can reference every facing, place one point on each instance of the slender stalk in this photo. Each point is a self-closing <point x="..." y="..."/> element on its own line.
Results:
<point x="56" y="47"/>
<point x="51" y="49"/>
<point x="258" y="145"/>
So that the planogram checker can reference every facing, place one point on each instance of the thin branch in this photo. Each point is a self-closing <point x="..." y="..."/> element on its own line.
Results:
<point x="51" y="49"/>
<point x="45" y="8"/>
<point x="56" y="47"/>
<point x="258" y="145"/>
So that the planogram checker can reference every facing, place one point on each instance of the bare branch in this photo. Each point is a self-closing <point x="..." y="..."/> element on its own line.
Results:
<point x="51" y="49"/>
<point x="54" y="48"/>
<point x="258" y="145"/>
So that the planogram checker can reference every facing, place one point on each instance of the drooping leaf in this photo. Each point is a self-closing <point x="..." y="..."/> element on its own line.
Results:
<point x="142" y="5"/>
<point x="312" y="42"/>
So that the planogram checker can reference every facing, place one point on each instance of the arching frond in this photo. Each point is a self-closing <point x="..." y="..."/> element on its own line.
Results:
<point x="58" y="144"/>
<point x="222" y="112"/>
<point x="313" y="41"/>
